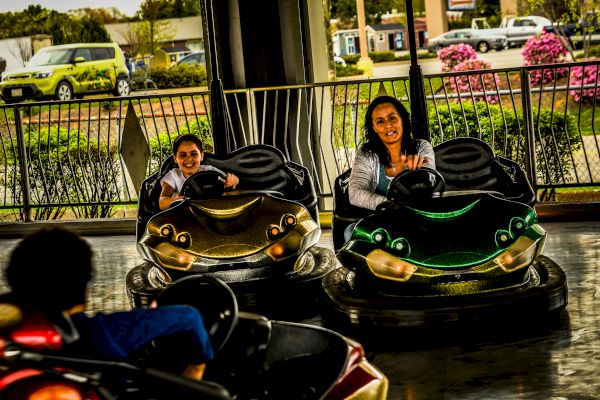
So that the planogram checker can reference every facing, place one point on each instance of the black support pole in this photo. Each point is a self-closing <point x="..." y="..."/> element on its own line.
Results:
<point x="217" y="101"/>
<point x="418" y="107"/>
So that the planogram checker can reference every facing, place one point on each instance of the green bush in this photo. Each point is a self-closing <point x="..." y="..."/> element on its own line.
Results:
<point x="179" y="76"/>
<point x="382" y="56"/>
<point x="556" y="134"/>
<point x="594" y="51"/>
<point x="348" y="70"/>
<point x="65" y="168"/>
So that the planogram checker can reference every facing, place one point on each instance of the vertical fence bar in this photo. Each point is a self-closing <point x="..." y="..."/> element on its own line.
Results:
<point x="23" y="164"/>
<point x="530" y="166"/>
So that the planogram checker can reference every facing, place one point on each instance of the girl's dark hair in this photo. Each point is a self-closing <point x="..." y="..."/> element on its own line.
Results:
<point x="372" y="141"/>
<point x="50" y="270"/>
<point x="188" y="137"/>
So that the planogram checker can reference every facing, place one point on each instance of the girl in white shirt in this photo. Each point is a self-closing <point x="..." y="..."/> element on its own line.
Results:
<point x="188" y="153"/>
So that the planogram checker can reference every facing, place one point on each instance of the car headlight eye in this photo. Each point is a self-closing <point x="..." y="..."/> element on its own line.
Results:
<point x="42" y="75"/>
<point x="184" y="239"/>
<point x="401" y="247"/>
<point x="503" y="238"/>
<point x="273" y="231"/>
<point x="379" y="236"/>
<point x="167" y="230"/>
<point x="289" y="220"/>
<point x="517" y="226"/>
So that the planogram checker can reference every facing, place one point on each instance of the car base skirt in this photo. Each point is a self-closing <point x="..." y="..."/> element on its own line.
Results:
<point x="271" y="295"/>
<point x="545" y="293"/>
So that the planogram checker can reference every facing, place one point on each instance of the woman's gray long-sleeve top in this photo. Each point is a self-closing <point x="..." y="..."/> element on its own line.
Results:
<point x="366" y="174"/>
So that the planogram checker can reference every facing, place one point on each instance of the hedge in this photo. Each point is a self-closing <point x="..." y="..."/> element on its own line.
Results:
<point x="65" y="167"/>
<point x="179" y="76"/>
<point x="556" y="134"/>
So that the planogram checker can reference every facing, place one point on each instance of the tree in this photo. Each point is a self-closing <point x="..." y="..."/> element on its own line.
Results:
<point x="345" y="10"/>
<point x="152" y="27"/>
<point x="64" y="28"/>
<point x="93" y="31"/>
<point x="105" y="15"/>
<point x="22" y="50"/>
<point x="580" y="14"/>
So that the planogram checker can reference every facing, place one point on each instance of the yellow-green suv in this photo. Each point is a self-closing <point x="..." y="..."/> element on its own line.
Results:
<point x="68" y="71"/>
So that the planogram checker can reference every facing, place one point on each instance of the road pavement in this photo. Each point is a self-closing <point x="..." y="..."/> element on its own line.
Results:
<point x="498" y="59"/>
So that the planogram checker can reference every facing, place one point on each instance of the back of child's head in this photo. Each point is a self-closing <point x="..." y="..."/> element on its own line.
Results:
<point x="188" y="137"/>
<point x="50" y="269"/>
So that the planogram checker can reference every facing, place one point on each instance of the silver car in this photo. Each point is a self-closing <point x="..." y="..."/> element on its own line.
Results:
<point x="480" y="41"/>
<point x="195" y="58"/>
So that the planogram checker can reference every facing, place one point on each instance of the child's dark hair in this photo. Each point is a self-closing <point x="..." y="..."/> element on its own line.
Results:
<point x="188" y="137"/>
<point x="50" y="270"/>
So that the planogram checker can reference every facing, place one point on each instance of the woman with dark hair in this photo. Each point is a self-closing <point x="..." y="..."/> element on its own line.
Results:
<point x="387" y="150"/>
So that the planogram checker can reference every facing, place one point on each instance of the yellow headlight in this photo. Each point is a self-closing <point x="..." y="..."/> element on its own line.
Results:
<point x="384" y="265"/>
<point x="518" y="255"/>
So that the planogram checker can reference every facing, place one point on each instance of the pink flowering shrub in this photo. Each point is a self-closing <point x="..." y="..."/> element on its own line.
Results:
<point x="544" y="49"/>
<point x="581" y="76"/>
<point x="475" y="83"/>
<point x="453" y="55"/>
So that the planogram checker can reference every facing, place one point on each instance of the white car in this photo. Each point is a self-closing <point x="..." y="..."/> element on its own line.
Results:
<point x="339" y="61"/>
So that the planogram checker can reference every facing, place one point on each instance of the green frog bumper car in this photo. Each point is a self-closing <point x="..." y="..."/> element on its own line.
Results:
<point x="462" y="243"/>
<point x="260" y="240"/>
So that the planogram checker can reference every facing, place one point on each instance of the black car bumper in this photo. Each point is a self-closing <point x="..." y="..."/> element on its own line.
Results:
<point x="21" y="92"/>
<point x="544" y="292"/>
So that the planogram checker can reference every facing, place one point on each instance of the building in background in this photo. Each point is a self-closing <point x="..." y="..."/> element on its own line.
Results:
<point x="17" y="51"/>
<point x="187" y="36"/>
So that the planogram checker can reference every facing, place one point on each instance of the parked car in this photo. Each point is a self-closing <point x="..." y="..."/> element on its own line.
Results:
<point x="196" y="58"/>
<point x="577" y="32"/>
<point x="339" y="61"/>
<point x="68" y="71"/>
<point x="518" y="29"/>
<point x="480" y="41"/>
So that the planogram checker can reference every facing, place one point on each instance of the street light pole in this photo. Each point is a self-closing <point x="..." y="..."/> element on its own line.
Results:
<point x="418" y="107"/>
<point x="364" y="63"/>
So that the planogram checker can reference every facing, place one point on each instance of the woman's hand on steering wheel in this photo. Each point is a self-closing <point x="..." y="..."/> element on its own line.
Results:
<point x="412" y="162"/>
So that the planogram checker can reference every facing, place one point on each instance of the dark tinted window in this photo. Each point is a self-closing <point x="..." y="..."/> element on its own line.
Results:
<point x="103" y="53"/>
<point x="85" y="53"/>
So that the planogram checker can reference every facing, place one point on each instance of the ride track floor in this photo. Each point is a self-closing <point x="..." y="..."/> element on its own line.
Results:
<point x="538" y="358"/>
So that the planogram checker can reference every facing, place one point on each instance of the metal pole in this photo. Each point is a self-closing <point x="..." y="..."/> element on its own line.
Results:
<point x="217" y="102"/>
<point x="530" y="165"/>
<point x="418" y="106"/>
<point x="25" y="187"/>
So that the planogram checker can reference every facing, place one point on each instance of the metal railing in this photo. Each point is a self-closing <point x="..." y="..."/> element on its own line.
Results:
<point x="69" y="160"/>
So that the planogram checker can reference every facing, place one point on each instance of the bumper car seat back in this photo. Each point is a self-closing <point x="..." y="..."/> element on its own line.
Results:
<point x="470" y="164"/>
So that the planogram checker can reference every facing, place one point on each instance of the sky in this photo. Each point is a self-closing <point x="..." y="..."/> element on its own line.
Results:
<point x="127" y="7"/>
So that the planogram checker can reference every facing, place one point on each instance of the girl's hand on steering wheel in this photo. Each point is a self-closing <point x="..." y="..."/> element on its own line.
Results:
<point x="231" y="181"/>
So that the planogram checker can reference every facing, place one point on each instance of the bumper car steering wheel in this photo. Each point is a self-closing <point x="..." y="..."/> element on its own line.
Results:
<point x="204" y="184"/>
<point x="416" y="184"/>
<point x="213" y="298"/>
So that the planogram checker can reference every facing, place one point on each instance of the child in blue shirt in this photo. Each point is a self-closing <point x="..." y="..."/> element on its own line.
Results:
<point x="49" y="271"/>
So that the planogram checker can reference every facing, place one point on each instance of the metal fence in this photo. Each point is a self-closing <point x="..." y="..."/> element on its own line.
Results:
<point x="68" y="160"/>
